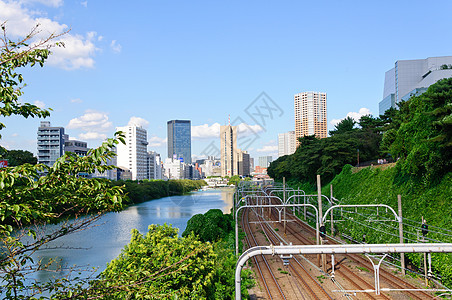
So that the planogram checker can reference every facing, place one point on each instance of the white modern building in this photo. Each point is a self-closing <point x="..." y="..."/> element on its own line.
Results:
<point x="411" y="78"/>
<point x="286" y="143"/>
<point x="310" y="115"/>
<point x="133" y="155"/>
<point x="174" y="168"/>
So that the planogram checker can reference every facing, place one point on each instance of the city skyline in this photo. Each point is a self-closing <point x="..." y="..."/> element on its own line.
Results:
<point x="166" y="61"/>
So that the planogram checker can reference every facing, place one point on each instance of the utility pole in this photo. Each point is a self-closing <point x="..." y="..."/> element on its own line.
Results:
<point x="402" y="255"/>
<point x="331" y="199"/>
<point x="319" y="200"/>
<point x="284" y="201"/>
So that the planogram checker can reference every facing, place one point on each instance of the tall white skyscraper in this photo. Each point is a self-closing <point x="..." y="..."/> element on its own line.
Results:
<point x="133" y="155"/>
<point x="286" y="143"/>
<point x="310" y="115"/>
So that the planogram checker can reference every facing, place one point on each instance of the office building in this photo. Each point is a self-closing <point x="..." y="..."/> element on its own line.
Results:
<point x="133" y="155"/>
<point x="412" y="78"/>
<point x="286" y="143"/>
<point x="179" y="140"/>
<point x="174" y="168"/>
<point x="228" y="144"/>
<point x="78" y="147"/>
<point x="50" y="143"/>
<point x="264" y="161"/>
<point x="310" y="115"/>
<point x="243" y="163"/>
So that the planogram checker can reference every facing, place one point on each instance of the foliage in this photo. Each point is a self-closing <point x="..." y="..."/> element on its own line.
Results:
<point x="326" y="157"/>
<point x="345" y="125"/>
<point x="234" y="180"/>
<point x="423" y="142"/>
<point x="381" y="186"/>
<point x="145" y="190"/>
<point x="211" y="226"/>
<point x="158" y="265"/>
<point x="29" y="198"/>
<point x="13" y="55"/>
<point x="18" y="157"/>
<point x="37" y="194"/>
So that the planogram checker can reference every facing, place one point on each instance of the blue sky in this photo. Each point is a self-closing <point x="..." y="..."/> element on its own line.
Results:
<point x="147" y="62"/>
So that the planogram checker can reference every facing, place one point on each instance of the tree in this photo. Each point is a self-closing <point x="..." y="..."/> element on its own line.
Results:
<point x="423" y="141"/>
<point x="347" y="124"/>
<point x="19" y="157"/>
<point x="16" y="54"/>
<point x="158" y="265"/>
<point x="28" y="198"/>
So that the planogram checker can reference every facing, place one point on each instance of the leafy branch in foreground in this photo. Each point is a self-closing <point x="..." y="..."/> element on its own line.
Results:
<point x="27" y="198"/>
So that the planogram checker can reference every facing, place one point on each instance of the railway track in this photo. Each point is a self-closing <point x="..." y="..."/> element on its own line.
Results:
<point x="311" y="286"/>
<point x="386" y="277"/>
<point x="266" y="274"/>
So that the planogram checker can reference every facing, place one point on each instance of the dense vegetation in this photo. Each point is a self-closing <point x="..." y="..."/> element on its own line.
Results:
<point x="327" y="156"/>
<point x="145" y="190"/>
<point x="218" y="228"/>
<point x="418" y="135"/>
<point x="17" y="157"/>
<point x="373" y="185"/>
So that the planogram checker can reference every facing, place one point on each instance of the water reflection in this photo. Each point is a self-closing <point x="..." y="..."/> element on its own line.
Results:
<point x="97" y="245"/>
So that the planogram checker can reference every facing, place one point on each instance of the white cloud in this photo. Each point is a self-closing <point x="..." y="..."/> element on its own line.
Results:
<point x="137" y="121"/>
<point x="39" y="104"/>
<point x="52" y="3"/>
<point x="76" y="100"/>
<point x="205" y="131"/>
<point x="91" y="122"/>
<point x="78" y="52"/>
<point x="79" y="49"/>
<point x="92" y="136"/>
<point x="84" y="3"/>
<point x="245" y="130"/>
<point x="116" y="47"/>
<point x="156" y="141"/>
<point x="354" y="115"/>
<point x="268" y="148"/>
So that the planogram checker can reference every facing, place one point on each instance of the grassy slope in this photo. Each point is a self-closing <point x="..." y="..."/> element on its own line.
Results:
<point x="373" y="185"/>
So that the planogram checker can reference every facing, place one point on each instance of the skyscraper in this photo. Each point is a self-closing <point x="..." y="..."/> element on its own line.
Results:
<point x="133" y="155"/>
<point x="228" y="141"/>
<point x="286" y="143"/>
<point x="179" y="140"/>
<point x="310" y="114"/>
<point x="411" y="78"/>
<point x="50" y="143"/>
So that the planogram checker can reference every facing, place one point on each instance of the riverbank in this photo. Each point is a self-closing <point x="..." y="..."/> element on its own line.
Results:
<point x="145" y="190"/>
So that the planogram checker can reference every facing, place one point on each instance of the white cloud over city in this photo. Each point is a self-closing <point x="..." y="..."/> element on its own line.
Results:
<point x="354" y="115"/>
<point x="94" y="125"/>
<point x="207" y="131"/>
<point x="21" y="17"/>
<point x="137" y="121"/>
<point x="269" y="148"/>
<point x="156" y="141"/>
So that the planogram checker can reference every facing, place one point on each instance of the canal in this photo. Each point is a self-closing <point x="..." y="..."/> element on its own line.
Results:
<point x="99" y="244"/>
